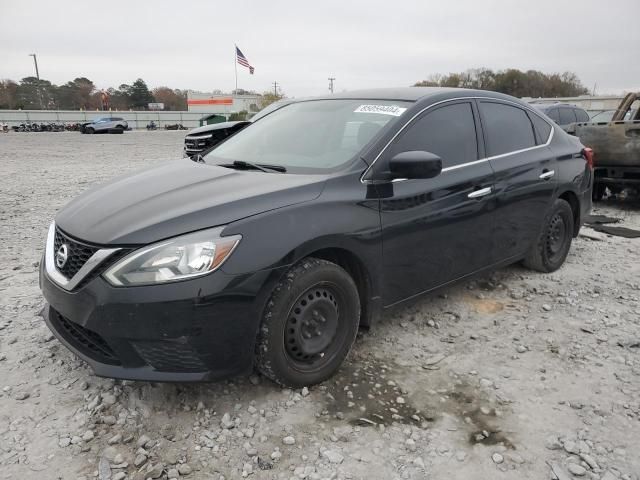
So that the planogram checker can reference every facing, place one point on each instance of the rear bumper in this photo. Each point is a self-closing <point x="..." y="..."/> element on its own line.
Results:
<point x="198" y="330"/>
<point x="617" y="175"/>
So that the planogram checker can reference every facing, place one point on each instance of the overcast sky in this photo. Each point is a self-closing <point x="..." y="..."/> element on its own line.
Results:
<point x="189" y="44"/>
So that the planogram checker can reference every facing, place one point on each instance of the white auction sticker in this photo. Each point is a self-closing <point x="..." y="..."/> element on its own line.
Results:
<point x="381" y="109"/>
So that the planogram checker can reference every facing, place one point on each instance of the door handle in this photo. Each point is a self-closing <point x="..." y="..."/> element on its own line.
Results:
<point x="480" y="193"/>
<point x="547" y="175"/>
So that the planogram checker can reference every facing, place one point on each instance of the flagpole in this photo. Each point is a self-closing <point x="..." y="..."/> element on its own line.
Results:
<point x="235" y="66"/>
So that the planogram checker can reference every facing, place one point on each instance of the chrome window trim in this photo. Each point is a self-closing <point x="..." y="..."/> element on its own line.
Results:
<point x="198" y="137"/>
<point x="474" y="162"/>
<point x="59" y="278"/>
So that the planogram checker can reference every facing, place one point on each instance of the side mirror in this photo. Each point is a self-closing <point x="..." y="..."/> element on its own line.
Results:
<point x="415" y="164"/>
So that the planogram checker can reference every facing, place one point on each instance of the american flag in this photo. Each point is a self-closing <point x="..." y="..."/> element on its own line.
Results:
<point x="242" y="60"/>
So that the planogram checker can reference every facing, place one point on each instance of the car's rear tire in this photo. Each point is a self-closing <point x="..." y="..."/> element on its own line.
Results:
<point x="598" y="192"/>
<point x="89" y="130"/>
<point x="309" y="324"/>
<point x="551" y="248"/>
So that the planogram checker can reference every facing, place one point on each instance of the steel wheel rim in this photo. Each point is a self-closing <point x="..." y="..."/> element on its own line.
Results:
<point x="556" y="235"/>
<point x="312" y="325"/>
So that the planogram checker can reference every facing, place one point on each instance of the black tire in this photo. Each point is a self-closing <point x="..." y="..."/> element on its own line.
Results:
<point x="309" y="324"/>
<point x="598" y="192"/>
<point x="552" y="246"/>
<point x="89" y="130"/>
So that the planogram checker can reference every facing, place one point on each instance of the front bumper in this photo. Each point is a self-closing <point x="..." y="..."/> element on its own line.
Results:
<point x="197" y="330"/>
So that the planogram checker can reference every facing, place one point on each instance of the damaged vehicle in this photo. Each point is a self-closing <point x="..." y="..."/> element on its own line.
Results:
<point x="202" y="139"/>
<point x="275" y="247"/>
<point x="616" y="147"/>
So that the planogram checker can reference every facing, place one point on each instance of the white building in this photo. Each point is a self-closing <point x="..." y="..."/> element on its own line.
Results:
<point x="207" y="103"/>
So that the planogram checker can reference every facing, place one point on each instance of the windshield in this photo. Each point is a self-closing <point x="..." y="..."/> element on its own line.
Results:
<point x="605" y="116"/>
<point x="309" y="137"/>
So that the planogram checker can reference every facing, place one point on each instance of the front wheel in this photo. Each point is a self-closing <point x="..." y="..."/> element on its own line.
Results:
<point x="552" y="246"/>
<point x="309" y="324"/>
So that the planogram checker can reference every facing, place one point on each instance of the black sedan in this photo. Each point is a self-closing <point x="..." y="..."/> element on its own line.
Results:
<point x="273" y="249"/>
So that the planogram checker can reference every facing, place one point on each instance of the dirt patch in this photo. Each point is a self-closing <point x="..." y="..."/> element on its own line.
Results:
<point x="486" y="306"/>
<point x="366" y="393"/>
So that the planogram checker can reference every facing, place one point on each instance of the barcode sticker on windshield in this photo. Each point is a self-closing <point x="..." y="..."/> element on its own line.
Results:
<point x="381" y="109"/>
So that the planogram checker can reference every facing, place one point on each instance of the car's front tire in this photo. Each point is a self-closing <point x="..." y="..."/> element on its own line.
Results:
<point x="552" y="246"/>
<point x="309" y="324"/>
<point x="89" y="130"/>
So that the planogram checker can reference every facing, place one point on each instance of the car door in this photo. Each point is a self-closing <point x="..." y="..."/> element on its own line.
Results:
<point x="525" y="174"/>
<point x="437" y="230"/>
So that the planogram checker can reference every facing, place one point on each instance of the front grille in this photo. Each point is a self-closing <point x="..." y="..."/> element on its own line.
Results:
<point x="78" y="253"/>
<point x="170" y="356"/>
<point x="194" y="146"/>
<point x="86" y="341"/>
<point x="102" y="267"/>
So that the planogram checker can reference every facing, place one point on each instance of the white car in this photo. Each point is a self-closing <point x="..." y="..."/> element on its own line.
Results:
<point x="105" y="125"/>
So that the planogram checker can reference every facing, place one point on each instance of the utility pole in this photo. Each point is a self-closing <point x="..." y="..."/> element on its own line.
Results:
<point x="35" y="62"/>
<point x="275" y="88"/>
<point x="331" y="80"/>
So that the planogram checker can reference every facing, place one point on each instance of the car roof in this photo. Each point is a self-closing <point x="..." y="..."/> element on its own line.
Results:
<point x="546" y="106"/>
<point x="410" y="94"/>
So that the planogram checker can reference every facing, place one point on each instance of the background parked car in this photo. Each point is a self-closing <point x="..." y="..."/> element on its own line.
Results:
<point x="202" y="139"/>
<point x="563" y="113"/>
<point x="105" y="125"/>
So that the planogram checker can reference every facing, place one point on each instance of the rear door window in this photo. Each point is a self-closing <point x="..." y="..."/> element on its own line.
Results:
<point x="567" y="116"/>
<point x="448" y="131"/>
<point x="542" y="128"/>
<point x="507" y="128"/>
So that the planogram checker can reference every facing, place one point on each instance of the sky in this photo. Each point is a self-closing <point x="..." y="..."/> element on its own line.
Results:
<point x="189" y="44"/>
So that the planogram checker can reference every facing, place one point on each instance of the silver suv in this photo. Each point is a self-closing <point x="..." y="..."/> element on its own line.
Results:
<point x="105" y="125"/>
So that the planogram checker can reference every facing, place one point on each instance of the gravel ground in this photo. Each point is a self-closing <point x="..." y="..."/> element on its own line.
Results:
<point x="513" y="376"/>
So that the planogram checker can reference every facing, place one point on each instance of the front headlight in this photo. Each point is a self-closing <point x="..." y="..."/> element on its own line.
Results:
<point x="175" y="259"/>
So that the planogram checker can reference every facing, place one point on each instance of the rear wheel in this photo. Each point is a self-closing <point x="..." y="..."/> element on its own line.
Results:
<point x="309" y="324"/>
<point x="552" y="246"/>
<point x="598" y="192"/>
<point x="89" y="130"/>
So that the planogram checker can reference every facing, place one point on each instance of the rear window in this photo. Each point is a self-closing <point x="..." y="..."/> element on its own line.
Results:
<point x="581" y="115"/>
<point x="553" y="114"/>
<point x="567" y="116"/>
<point x="507" y="128"/>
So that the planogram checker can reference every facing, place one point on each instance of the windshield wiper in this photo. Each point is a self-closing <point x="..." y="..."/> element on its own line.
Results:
<point x="263" y="167"/>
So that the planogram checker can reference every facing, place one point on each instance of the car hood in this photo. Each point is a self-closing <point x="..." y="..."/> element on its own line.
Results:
<point x="212" y="127"/>
<point x="176" y="198"/>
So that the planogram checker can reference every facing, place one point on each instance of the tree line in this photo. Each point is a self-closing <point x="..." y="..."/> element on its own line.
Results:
<point x="81" y="93"/>
<point x="517" y="83"/>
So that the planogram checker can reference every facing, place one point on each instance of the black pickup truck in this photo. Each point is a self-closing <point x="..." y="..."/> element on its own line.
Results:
<point x="202" y="139"/>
